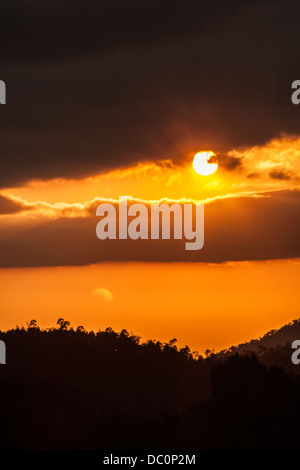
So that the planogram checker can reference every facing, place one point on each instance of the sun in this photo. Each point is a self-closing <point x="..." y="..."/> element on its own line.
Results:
<point x="205" y="163"/>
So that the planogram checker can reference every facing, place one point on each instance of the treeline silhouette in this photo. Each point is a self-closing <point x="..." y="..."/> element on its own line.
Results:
<point x="72" y="389"/>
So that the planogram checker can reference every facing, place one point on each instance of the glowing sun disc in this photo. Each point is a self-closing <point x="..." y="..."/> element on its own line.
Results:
<point x="205" y="163"/>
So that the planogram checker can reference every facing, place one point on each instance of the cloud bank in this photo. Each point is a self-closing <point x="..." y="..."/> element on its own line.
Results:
<point x="265" y="226"/>
<point x="93" y="86"/>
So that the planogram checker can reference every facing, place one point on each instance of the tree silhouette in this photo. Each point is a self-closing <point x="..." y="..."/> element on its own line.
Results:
<point x="107" y="389"/>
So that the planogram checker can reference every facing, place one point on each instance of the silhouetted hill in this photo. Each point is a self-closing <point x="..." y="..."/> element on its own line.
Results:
<point x="72" y="389"/>
<point x="282" y="337"/>
<point x="272" y="349"/>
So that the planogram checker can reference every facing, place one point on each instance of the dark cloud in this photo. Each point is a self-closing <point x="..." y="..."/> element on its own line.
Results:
<point x="229" y="162"/>
<point x="212" y="159"/>
<point x="235" y="230"/>
<point x="60" y="30"/>
<point x="97" y="85"/>
<point x="279" y="175"/>
<point x="254" y="175"/>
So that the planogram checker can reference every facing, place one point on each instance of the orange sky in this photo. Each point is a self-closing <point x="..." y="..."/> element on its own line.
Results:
<point x="121" y="110"/>
<point x="202" y="305"/>
<point x="269" y="167"/>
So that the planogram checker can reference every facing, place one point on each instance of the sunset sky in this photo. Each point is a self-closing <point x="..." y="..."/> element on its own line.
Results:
<point x="117" y="104"/>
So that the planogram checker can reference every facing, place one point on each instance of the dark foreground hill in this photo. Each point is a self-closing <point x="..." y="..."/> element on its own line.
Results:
<point x="67" y="389"/>
<point x="284" y="336"/>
